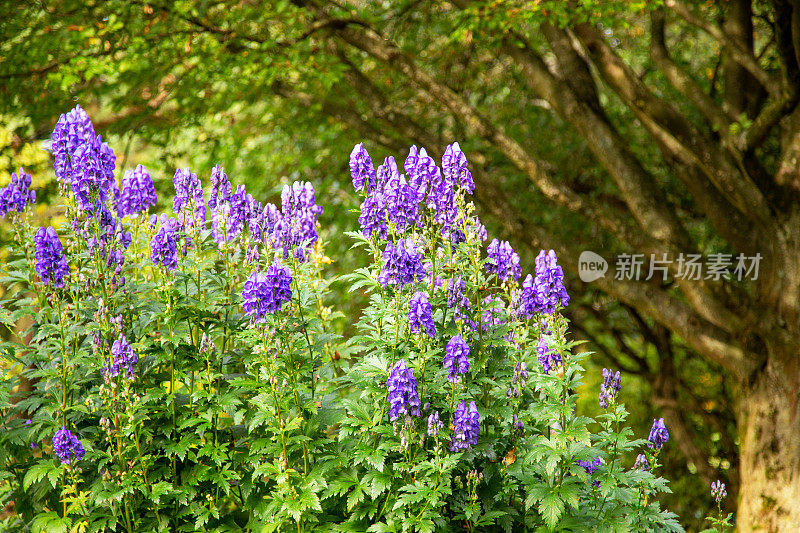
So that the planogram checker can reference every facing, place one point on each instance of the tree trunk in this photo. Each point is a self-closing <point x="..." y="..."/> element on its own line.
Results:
<point x="768" y="416"/>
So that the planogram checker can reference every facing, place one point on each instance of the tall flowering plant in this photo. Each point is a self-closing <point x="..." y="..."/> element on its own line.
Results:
<point x="180" y="371"/>
<point x="461" y="408"/>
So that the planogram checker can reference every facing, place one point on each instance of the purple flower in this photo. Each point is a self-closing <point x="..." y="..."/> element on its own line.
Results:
<point x="493" y="315"/>
<point x="718" y="491"/>
<point x="17" y="195"/>
<point x="612" y="384"/>
<point x="518" y="379"/>
<point x="267" y="292"/>
<point x="228" y="217"/>
<point x="188" y="201"/>
<point x="67" y="446"/>
<point x="466" y="421"/>
<point x="220" y="187"/>
<point x="658" y="434"/>
<point x="503" y="261"/>
<point x="517" y="427"/>
<point x="420" y="315"/>
<point x="402" y="264"/>
<point x="590" y="466"/>
<point x="138" y="192"/>
<point x="121" y="355"/>
<point x="51" y="265"/>
<point x="295" y="230"/>
<point x="548" y="358"/>
<point x="456" y="358"/>
<point x="454" y="168"/>
<point x="83" y="160"/>
<point x="441" y="200"/>
<point x="544" y="293"/>
<point x="298" y="204"/>
<point x="402" y="203"/>
<point x="434" y="424"/>
<point x="164" y="244"/>
<point x="420" y="169"/>
<point x="457" y="298"/>
<point x="361" y="168"/>
<point x="642" y="463"/>
<point x="403" y="397"/>
<point x="374" y="215"/>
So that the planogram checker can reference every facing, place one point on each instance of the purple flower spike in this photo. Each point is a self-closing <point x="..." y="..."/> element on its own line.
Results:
<point x="658" y="434"/>
<point x="17" y="195"/>
<point x="612" y="384"/>
<point x="454" y="168"/>
<point x="402" y="264"/>
<point x="420" y="169"/>
<point x="361" y="168"/>
<point x="138" y="192"/>
<point x="121" y="355"/>
<point x="466" y="421"/>
<point x="188" y="200"/>
<point x="718" y="491"/>
<point x="503" y="260"/>
<point x="420" y="315"/>
<point x="434" y="424"/>
<point x="549" y="358"/>
<point x="403" y="397"/>
<point x="83" y="160"/>
<point x="265" y="293"/>
<point x="456" y="358"/>
<point x="164" y="244"/>
<point x="51" y="265"/>
<point x="545" y="292"/>
<point x="642" y="463"/>
<point x="67" y="446"/>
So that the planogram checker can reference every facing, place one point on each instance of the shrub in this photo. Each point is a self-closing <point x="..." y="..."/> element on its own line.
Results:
<point x="185" y="374"/>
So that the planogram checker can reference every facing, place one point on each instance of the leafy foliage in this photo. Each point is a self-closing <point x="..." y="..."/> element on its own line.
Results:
<point x="231" y="422"/>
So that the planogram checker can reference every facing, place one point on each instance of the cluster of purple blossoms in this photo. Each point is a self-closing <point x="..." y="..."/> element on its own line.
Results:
<point x="402" y="264"/>
<point x="361" y="168"/>
<point x="17" y="194"/>
<point x="517" y="427"/>
<point x="420" y="169"/>
<point x="454" y="168"/>
<point x="298" y="204"/>
<point x="83" y="160"/>
<point x="456" y="358"/>
<point x="401" y="198"/>
<point x="466" y="421"/>
<point x="434" y="424"/>
<point x="642" y="463"/>
<point x="718" y="491"/>
<point x="121" y="355"/>
<point x="457" y="298"/>
<point x="518" y="380"/>
<point x="67" y="446"/>
<point x="396" y="198"/>
<point x="51" y="265"/>
<point x="548" y="357"/>
<point x="138" y="192"/>
<point x="403" y="397"/>
<point x="504" y="261"/>
<point x="188" y="202"/>
<point x="420" y="315"/>
<point x="658" y="434"/>
<point x="164" y="244"/>
<point x="590" y="466"/>
<point x="267" y="292"/>
<point x="493" y="313"/>
<point x="546" y="291"/>
<point x="229" y="212"/>
<point x="612" y="384"/>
